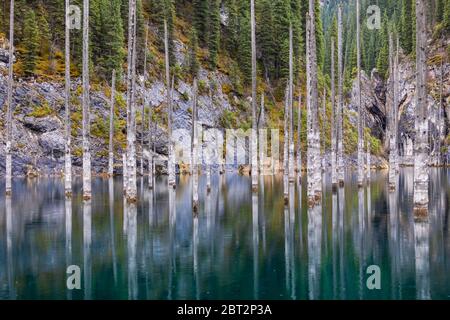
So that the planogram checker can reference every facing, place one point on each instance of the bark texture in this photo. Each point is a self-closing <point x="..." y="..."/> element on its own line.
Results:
<point x="111" y="126"/>
<point x="254" y="148"/>
<point x="333" y="130"/>
<point x="67" y="149"/>
<point x="340" y="113"/>
<point x="8" y="167"/>
<point x="360" y="124"/>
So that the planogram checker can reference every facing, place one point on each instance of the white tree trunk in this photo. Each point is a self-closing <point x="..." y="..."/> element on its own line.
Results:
<point x="392" y="116"/>
<point x="111" y="126"/>
<point x="440" y="121"/>
<point x="194" y="151"/>
<point x="360" y="124"/>
<point x="314" y="164"/>
<point x="254" y="148"/>
<point x="170" y="159"/>
<point x="124" y="173"/>
<point x="299" y="130"/>
<point x="291" y="109"/>
<point x="340" y="112"/>
<point x="144" y="92"/>
<point x="286" y="148"/>
<point x="131" y="193"/>
<point x="324" y="118"/>
<point x="8" y="167"/>
<point x="262" y="137"/>
<point x="421" y="147"/>
<point x="369" y="165"/>
<point x="67" y="151"/>
<point x="86" y="106"/>
<point x="333" y="130"/>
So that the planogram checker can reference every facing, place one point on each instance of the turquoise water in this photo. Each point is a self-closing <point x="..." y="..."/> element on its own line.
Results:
<point x="240" y="246"/>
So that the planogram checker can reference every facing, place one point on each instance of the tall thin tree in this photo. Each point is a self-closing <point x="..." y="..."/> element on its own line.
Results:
<point x="171" y="160"/>
<point x="8" y="173"/>
<point x="67" y="149"/>
<point x="254" y="148"/>
<point x="340" y="109"/>
<point x="131" y="193"/>
<point x="421" y="147"/>
<point x="314" y="191"/>
<point x="194" y="150"/>
<point x="262" y="137"/>
<point x="333" y="130"/>
<point x="286" y="147"/>
<point x="299" y="130"/>
<point x="360" y="124"/>
<point x="111" y="125"/>
<point x="392" y="107"/>
<point x="86" y="106"/>
<point x="144" y="102"/>
<point x="291" y="106"/>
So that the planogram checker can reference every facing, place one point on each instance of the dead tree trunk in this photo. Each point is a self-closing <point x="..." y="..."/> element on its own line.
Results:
<point x="254" y="148"/>
<point x="340" y="117"/>
<point x="111" y="125"/>
<point x="324" y="116"/>
<point x="440" y="124"/>
<point x="8" y="173"/>
<point x="333" y="123"/>
<point x="194" y="151"/>
<point x="86" y="106"/>
<point x="360" y="124"/>
<point x="286" y="147"/>
<point x="262" y="137"/>
<point x="131" y="193"/>
<point x="144" y="93"/>
<point x="392" y="107"/>
<point x="421" y="146"/>
<point x="291" y="106"/>
<point x="299" y="129"/>
<point x="67" y="151"/>
<point x="314" y="168"/>
<point x="170" y="160"/>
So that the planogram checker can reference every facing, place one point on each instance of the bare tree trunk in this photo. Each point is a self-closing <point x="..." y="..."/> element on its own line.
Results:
<point x="396" y="103"/>
<point x="254" y="148"/>
<point x="262" y="137"/>
<point x="111" y="125"/>
<point x="369" y="165"/>
<point x="131" y="107"/>
<point x="360" y="124"/>
<point x="333" y="130"/>
<point x="440" y="125"/>
<point x="392" y="106"/>
<point x="144" y="102"/>
<point x="86" y="106"/>
<point x="286" y="148"/>
<point x="340" y="117"/>
<point x="314" y="168"/>
<point x="299" y="130"/>
<point x="170" y="160"/>
<point x="194" y="151"/>
<point x="67" y="152"/>
<point x="124" y="173"/>
<point x="421" y="146"/>
<point x="291" y="106"/>
<point x="8" y="173"/>
<point x="324" y="116"/>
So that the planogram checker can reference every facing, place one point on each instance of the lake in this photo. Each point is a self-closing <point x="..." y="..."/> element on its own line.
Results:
<point x="239" y="246"/>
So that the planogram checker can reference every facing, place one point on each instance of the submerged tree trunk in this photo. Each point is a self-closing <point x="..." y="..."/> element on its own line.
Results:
<point x="299" y="130"/>
<point x="144" y="102"/>
<point x="124" y="173"/>
<point x="286" y="147"/>
<point x="131" y="107"/>
<point x="254" y="148"/>
<point x="340" y="111"/>
<point x="86" y="106"/>
<point x="170" y="160"/>
<point x="291" y="111"/>
<point x="360" y="124"/>
<point x="111" y="125"/>
<point x="324" y="113"/>
<point x="262" y="137"/>
<point x="67" y="151"/>
<point x="396" y="103"/>
<point x="392" y="118"/>
<point x="421" y="147"/>
<point x="8" y="173"/>
<point x="194" y="150"/>
<point x="314" y="168"/>
<point x="440" y="124"/>
<point x="333" y="123"/>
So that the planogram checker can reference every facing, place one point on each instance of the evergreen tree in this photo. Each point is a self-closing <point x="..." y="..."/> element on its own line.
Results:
<point x="30" y="43"/>
<point x="383" y="57"/>
<point x="214" y="32"/>
<point x="201" y="8"/>
<point x="193" y="63"/>
<point x="406" y="25"/>
<point x="266" y="36"/>
<point x="244" y="49"/>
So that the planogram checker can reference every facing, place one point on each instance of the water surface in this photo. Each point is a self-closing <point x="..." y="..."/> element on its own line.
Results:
<point x="240" y="246"/>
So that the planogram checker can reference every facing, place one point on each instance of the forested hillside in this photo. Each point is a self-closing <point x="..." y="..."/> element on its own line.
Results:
<point x="211" y="40"/>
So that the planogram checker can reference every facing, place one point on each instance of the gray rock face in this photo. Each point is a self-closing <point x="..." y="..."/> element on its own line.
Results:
<point x="45" y="124"/>
<point x="53" y="143"/>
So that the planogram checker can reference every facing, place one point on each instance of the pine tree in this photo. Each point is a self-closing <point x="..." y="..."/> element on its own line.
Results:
<point x="30" y="43"/>
<point x="383" y="56"/>
<point x="266" y="36"/>
<point x="244" y="48"/>
<point x="214" y="32"/>
<point x="406" y="39"/>
<point x="201" y="9"/>
<point x="193" y="63"/>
